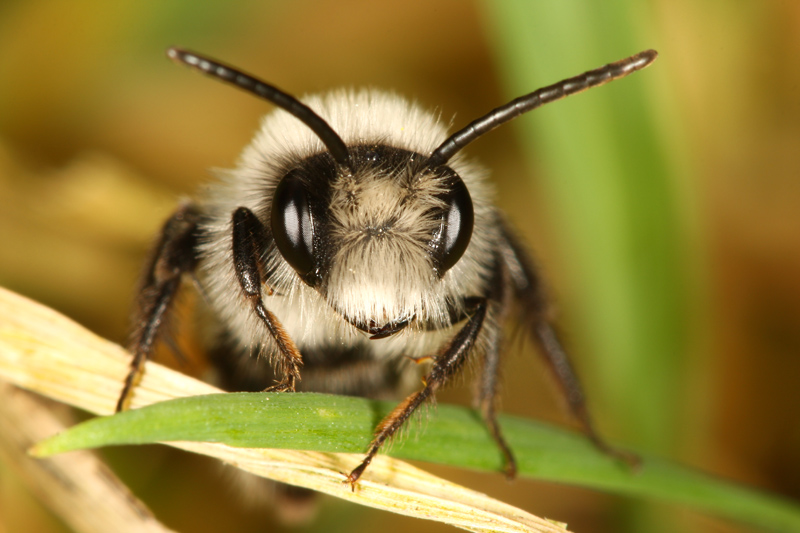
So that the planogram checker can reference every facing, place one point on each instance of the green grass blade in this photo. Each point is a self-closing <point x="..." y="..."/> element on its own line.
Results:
<point x="610" y="186"/>
<point x="344" y="424"/>
<point x="617" y="186"/>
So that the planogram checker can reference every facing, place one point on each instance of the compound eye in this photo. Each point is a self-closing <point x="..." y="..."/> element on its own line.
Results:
<point x="293" y="224"/>
<point x="456" y="230"/>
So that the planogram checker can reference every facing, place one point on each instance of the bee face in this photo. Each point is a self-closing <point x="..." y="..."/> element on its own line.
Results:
<point x="391" y="227"/>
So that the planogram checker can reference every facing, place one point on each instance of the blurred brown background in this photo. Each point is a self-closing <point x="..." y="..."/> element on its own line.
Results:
<point x="100" y="135"/>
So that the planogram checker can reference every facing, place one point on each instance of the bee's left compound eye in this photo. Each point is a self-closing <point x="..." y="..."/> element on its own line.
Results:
<point x="293" y="224"/>
<point x="451" y="240"/>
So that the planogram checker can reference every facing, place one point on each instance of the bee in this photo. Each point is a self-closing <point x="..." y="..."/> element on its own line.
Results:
<point x="353" y="238"/>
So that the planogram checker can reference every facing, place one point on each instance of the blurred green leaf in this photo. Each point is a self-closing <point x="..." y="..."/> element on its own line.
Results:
<point x="612" y="196"/>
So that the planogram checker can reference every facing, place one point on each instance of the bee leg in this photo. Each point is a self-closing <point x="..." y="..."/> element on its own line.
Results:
<point x="250" y="241"/>
<point x="173" y="255"/>
<point x="487" y="401"/>
<point x="486" y="391"/>
<point x="530" y="294"/>
<point x="559" y="363"/>
<point x="447" y="364"/>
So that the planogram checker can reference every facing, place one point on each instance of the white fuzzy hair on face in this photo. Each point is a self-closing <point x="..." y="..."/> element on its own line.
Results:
<point x="380" y="269"/>
<point x="381" y="266"/>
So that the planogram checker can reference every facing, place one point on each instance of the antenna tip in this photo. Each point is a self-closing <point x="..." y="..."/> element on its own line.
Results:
<point x="179" y="55"/>
<point x="647" y="57"/>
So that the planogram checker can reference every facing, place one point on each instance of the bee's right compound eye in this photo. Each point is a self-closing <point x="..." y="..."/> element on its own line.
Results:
<point x="293" y="224"/>
<point x="451" y="240"/>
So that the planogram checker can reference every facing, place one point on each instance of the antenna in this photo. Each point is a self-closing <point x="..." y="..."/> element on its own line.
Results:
<point x="253" y="85"/>
<point x="529" y="102"/>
